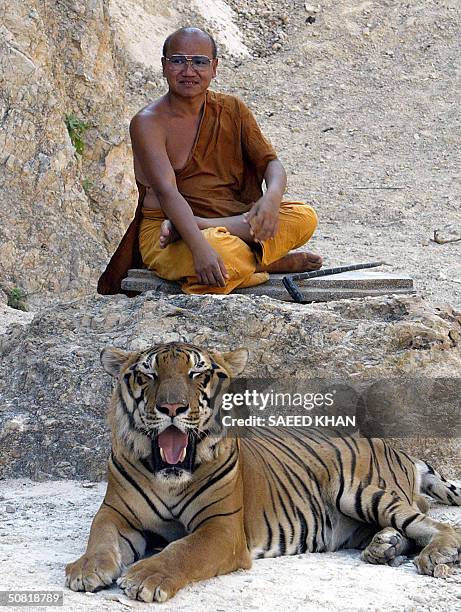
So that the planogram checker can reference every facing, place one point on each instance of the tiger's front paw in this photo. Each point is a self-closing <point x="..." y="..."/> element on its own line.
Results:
<point x="92" y="572"/>
<point x="386" y="548"/>
<point x="148" y="580"/>
<point x="437" y="557"/>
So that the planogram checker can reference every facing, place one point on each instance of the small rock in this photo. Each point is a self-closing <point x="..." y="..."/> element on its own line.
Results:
<point x="276" y="46"/>
<point x="442" y="571"/>
<point x="111" y="597"/>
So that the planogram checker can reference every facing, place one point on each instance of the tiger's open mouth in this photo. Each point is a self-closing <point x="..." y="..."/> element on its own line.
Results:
<point x="173" y="450"/>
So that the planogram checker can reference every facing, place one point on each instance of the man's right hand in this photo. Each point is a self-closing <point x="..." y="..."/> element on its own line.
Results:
<point x="209" y="266"/>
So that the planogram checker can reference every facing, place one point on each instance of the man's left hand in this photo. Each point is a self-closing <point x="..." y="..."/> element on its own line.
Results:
<point x="263" y="217"/>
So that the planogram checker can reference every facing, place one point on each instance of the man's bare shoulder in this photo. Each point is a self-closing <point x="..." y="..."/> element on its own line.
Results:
<point x="155" y="114"/>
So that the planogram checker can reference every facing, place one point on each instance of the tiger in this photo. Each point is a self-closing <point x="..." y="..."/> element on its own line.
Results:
<point x="186" y="502"/>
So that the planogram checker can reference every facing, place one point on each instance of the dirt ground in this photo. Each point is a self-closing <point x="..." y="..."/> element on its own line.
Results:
<point x="45" y="525"/>
<point x="362" y="106"/>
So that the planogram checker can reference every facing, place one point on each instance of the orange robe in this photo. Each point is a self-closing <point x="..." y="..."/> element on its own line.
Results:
<point x="222" y="177"/>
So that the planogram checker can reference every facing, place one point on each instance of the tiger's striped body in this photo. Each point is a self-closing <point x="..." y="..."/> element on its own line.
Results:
<point x="321" y="487"/>
<point x="220" y="502"/>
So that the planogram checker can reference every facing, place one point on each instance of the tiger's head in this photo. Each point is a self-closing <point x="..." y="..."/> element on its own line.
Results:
<point x="165" y="406"/>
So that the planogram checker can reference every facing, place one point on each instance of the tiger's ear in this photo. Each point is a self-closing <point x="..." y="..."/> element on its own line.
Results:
<point x="236" y="360"/>
<point x="113" y="358"/>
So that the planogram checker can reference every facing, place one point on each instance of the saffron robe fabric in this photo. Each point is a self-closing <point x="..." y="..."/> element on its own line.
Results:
<point x="297" y="223"/>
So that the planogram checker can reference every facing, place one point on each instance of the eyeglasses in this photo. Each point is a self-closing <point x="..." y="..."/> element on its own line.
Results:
<point x="198" y="62"/>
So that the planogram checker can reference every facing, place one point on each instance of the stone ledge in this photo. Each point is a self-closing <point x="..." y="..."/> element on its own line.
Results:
<point x="361" y="283"/>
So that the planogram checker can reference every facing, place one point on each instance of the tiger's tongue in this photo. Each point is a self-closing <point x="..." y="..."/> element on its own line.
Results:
<point x="172" y="441"/>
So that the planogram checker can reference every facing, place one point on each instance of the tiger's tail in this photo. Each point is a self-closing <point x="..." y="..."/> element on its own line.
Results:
<point x="436" y="486"/>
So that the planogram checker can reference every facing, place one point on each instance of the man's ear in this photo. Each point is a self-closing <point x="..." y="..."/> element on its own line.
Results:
<point x="112" y="359"/>
<point x="214" y="67"/>
<point x="235" y="361"/>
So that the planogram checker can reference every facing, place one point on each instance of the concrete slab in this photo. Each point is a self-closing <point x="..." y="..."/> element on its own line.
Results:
<point x="360" y="283"/>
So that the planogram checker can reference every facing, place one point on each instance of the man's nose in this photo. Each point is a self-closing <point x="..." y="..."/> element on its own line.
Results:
<point x="188" y="68"/>
<point x="172" y="410"/>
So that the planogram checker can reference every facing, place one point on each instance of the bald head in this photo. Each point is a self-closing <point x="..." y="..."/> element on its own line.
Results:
<point x="190" y="33"/>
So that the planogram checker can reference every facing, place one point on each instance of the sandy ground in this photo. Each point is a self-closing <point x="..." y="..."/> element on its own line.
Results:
<point x="45" y="525"/>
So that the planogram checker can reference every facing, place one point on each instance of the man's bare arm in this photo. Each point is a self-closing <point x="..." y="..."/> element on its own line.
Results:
<point x="148" y="139"/>
<point x="275" y="178"/>
<point x="263" y="216"/>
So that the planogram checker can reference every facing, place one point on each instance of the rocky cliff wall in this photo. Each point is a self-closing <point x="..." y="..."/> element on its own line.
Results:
<point x="60" y="210"/>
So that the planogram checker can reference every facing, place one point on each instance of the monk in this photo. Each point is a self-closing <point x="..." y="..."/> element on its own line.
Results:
<point x="199" y="161"/>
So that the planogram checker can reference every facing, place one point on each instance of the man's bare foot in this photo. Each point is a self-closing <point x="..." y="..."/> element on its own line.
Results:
<point x="293" y="263"/>
<point x="168" y="234"/>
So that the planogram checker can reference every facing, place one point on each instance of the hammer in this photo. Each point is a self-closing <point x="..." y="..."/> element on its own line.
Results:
<point x="291" y="279"/>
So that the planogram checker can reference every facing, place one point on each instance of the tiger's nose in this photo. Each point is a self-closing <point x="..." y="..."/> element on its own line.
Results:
<point x="172" y="410"/>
